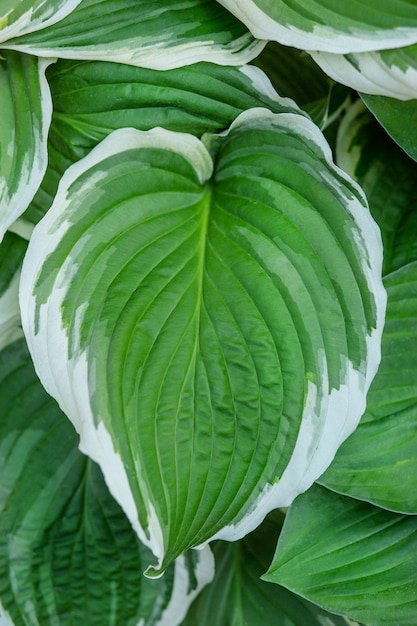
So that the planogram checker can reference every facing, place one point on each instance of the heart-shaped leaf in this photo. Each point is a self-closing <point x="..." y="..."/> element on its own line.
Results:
<point x="329" y="26"/>
<point x="159" y="35"/>
<point x="211" y="338"/>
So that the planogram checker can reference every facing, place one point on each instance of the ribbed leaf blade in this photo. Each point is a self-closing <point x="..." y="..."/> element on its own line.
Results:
<point x="157" y="36"/>
<point x="67" y="552"/>
<point x="198" y="333"/>
<point x="91" y="99"/>
<point x="349" y="557"/>
<point x="329" y="26"/>
<point x="378" y="462"/>
<point x="26" y="16"/>
<point x="237" y="594"/>
<point x="26" y="106"/>
<point x="389" y="73"/>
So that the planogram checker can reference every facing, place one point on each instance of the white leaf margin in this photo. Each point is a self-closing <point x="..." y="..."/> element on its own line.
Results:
<point x="13" y="203"/>
<point x="342" y="407"/>
<point x="320" y="37"/>
<point x="68" y="381"/>
<point x="25" y="24"/>
<point x="369" y="73"/>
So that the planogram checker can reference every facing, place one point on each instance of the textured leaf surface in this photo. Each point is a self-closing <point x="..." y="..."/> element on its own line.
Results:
<point x="67" y="552"/>
<point x="387" y="176"/>
<point x="349" y="557"/>
<point x="330" y="26"/>
<point x="391" y="73"/>
<point x="237" y="595"/>
<point x="398" y="118"/>
<point x="378" y="463"/>
<point x="26" y="109"/>
<point x="142" y="33"/>
<point x="26" y="16"/>
<point x="212" y="339"/>
<point x="91" y="99"/>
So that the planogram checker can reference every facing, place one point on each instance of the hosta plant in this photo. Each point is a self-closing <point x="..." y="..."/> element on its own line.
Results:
<point x="208" y="288"/>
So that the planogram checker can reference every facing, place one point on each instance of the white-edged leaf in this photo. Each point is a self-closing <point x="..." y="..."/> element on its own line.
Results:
<point x="160" y="36"/>
<point x="68" y="555"/>
<point x="391" y="73"/>
<point x="211" y="338"/>
<point x="330" y="26"/>
<point x="26" y="109"/>
<point x="27" y="16"/>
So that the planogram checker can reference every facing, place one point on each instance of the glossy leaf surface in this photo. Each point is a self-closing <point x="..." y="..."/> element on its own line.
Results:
<point x="349" y="557"/>
<point x="196" y="328"/>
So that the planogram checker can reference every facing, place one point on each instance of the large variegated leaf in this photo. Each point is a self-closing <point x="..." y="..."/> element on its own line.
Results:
<point x="387" y="176"/>
<point x="391" y="73"/>
<point x="378" y="463"/>
<point x="328" y="25"/>
<point x="26" y="109"/>
<point x="212" y="338"/>
<point x="93" y="98"/>
<point x="160" y="35"/>
<point x="350" y="558"/>
<point x="26" y="16"/>
<point x="67" y="552"/>
<point x="238" y="596"/>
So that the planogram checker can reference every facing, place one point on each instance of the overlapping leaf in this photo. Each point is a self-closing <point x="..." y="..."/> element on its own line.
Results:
<point x="378" y="462"/>
<point x="391" y="73"/>
<point x="67" y="553"/>
<point x="398" y="118"/>
<point x="159" y="35"/>
<point x="91" y="99"/>
<point x="26" y="16"/>
<point x="349" y="557"/>
<point x="330" y="26"/>
<point x="237" y="595"/>
<point x="388" y="178"/>
<point x="212" y="339"/>
<point x="26" y="109"/>
<point x="12" y="251"/>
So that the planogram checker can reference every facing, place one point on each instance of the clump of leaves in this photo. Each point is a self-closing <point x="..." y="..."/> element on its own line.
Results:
<point x="204" y="230"/>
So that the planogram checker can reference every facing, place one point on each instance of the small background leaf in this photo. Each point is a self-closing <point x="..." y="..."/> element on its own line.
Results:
<point x="349" y="557"/>
<point x="237" y="595"/>
<point x="26" y="110"/>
